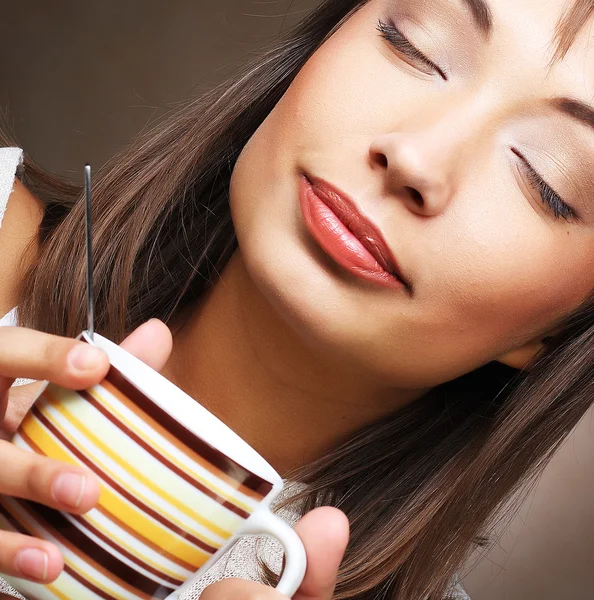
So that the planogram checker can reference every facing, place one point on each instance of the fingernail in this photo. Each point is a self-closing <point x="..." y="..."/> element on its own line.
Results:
<point x="69" y="489"/>
<point x="33" y="563"/>
<point x="84" y="357"/>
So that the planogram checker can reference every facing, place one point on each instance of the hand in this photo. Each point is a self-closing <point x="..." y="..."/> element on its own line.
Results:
<point x="32" y="354"/>
<point x="325" y="533"/>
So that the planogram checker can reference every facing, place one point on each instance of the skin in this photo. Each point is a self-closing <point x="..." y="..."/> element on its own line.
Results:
<point x="489" y="264"/>
<point x="19" y="242"/>
<point x="488" y="261"/>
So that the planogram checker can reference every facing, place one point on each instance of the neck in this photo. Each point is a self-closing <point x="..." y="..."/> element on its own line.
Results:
<point x="239" y="358"/>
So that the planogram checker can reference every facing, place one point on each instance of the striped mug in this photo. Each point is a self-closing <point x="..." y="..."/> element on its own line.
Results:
<point x="178" y="487"/>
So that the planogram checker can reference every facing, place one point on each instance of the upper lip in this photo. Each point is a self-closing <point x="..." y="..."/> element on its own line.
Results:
<point x="362" y="228"/>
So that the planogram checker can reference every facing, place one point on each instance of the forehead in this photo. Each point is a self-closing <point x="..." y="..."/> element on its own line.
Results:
<point x="561" y="29"/>
<point x="558" y="32"/>
<point x="551" y="41"/>
<point x="566" y="21"/>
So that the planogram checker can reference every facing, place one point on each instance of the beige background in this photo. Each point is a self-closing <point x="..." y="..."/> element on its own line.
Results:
<point x="80" y="78"/>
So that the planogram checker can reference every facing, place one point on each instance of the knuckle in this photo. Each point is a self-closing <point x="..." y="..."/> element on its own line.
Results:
<point x="34" y="477"/>
<point x="8" y="555"/>
<point x="50" y="353"/>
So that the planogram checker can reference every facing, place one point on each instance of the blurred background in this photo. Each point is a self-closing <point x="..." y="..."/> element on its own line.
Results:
<point x="80" y="79"/>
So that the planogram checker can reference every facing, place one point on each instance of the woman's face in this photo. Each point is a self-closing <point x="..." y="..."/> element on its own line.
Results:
<point x="439" y="151"/>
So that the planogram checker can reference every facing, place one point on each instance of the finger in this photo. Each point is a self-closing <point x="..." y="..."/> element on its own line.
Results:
<point x="5" y="383"/>
<point x="239" y="589"/>
<point x="35" y="355"/>
<point x="28" y="475"/>
<point x="151" y="343"/>
<point x="29" y="558"/>
<point x="20" y="400"/>
<point x="325" y="534"/>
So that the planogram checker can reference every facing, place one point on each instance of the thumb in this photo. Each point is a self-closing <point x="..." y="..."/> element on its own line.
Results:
<point x="151" y="342"/>
<point x="325" y="533"/>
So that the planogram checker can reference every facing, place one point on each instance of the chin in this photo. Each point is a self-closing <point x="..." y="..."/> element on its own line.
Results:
<point x="298" y="290"/>
<point x="321" y="312"/>
<point x="289" y="274"/>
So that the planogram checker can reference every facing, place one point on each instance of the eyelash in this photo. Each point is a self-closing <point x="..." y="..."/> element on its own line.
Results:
<point x="395" y="37"/>
<point x="549" y="197"/>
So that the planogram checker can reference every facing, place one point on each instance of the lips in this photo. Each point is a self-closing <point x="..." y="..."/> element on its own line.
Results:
<point x="364" y="230"/>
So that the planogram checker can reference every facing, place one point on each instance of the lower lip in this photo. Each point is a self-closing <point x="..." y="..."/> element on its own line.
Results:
<point x="337" y="241"/>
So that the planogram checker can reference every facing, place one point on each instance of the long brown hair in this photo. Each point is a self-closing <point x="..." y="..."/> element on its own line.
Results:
<point x="419" y="486"/>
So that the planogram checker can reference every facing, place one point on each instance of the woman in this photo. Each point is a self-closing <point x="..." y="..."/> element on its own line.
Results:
<point x="415" y="391"/>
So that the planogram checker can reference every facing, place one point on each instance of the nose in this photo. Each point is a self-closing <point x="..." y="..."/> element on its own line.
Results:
<point x="419" y="166"/>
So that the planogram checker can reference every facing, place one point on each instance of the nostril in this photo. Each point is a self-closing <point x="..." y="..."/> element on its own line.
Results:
<point x="416" y="196"/>
<point x="382" y="160"/>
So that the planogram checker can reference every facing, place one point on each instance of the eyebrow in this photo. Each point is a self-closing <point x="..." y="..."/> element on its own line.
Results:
<point x="576" y="109"/>
<point x="481" y="15"/>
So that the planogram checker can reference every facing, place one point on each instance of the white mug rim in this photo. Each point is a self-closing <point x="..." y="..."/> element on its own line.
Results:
<point x="203" y="423"/>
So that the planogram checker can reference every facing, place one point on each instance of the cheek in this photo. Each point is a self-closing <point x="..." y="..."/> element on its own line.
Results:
<point x="326" y="117"/>
<point x="348" y="91"/>
<point x="489" y="277"/>
<point x="490" y="293"/>
<point x="345" y="94"/>
<point x="510" y="275"/>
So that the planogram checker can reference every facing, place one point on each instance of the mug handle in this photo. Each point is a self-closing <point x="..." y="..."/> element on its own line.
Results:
<point x="263" y="521"/>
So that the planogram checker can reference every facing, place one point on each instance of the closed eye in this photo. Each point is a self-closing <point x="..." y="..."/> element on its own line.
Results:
<point x="400" y="42"/>
<point x="549" y="197"/>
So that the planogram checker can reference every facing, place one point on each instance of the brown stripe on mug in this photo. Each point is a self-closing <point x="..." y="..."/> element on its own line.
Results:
<point x="114" y="485"/>
<point x="21" y="527"/>
<point x="189" y="452"/>
<point x="119" y="523"/>
<point x="162" y="459"/>
<point x="174" y="581"/>
<point x="158" y="549"/>
<point x="223" y="463"/>
<point x="91" y="552"/>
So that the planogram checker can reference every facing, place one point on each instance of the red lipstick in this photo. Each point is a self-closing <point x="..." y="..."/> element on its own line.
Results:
<point x="347" y="236"/>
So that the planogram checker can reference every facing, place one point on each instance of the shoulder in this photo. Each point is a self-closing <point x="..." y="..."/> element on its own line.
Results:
<point x="457" y="592"/>
<point x="23" y="213"/>
<point x="10" y="161"/>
